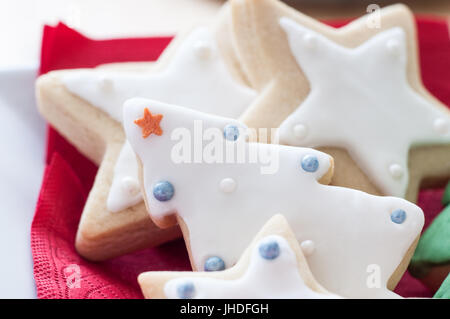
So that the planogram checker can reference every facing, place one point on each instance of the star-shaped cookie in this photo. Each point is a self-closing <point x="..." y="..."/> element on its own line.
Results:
<point x="353" y="92"/>
<point x="273" y="266"/>
<point x="203" y="174"/>
<point x="198" y="70"/>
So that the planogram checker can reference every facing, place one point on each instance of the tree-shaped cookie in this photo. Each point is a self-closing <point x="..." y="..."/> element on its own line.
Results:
<point x="199" y="70"/>
<point x="221" y="189"/>
<point x="431" y="260"/>
<point x="353" y="92"/>
<point x="273" y="266"/>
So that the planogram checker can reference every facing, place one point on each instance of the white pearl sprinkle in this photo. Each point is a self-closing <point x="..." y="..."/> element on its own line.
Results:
<point x="202" y="50"/>
<point x="105" y="84"/>
<point x="396" y="170"/>
<point x="308" y="247"/>
<point x="310" y="40"/>
<point x="227" y="185"/>
<point x="441" y="126"/>
<point x="300" y="131"/>
<point x="393" y="47"/>
<point x="130" y="185"/>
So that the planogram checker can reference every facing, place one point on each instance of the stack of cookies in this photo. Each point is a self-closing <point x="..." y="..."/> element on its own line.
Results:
<point x="287" y="153"/>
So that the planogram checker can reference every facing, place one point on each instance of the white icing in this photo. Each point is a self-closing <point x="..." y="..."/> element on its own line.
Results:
<point x="396" y="170"/>
<point x="307" y="247"/>
<point x="122" y="193"/>
<point x="350" y="229"/>
<point x="276" y="279"/>
<point x="361" y="100"/>
<point x="130" y="185"/>
<point x="441" y="126"/>
<point x="196" y="77"/>
<point x="394" y="47"/>
<point x="203" y="50"/>
<point x="227" y="185"/>
<point x="310" y="40"/>
<point x="300" y="131"/>
<point x="105" y="84"/>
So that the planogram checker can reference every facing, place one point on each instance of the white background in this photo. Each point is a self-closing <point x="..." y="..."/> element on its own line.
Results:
<point x="21" y="21"/>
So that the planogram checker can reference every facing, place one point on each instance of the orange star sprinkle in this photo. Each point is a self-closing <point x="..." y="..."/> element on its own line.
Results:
<point x="149" y="124"/>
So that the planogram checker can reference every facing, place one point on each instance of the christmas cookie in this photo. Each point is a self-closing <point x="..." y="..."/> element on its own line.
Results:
<point x="444" y="290"/>
<point x="353" y="92"/>
<point x="273" y="266"/>
<point x="85" y="106"/>
<point x="200" y="171"/>
<point x="431" y="260"/>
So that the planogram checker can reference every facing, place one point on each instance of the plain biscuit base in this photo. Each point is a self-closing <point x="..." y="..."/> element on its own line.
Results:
<point x="266" y="59"/>
<point x="102" y="234"/>
<point x="152" y="283"/>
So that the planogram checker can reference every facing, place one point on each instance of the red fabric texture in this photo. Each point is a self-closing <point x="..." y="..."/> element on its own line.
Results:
<point x="68" y="179"/>
<point x="69" y="175"/>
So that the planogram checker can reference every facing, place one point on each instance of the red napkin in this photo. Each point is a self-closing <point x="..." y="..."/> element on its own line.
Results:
<point x="68" y="179"/>
<point x="69" y="175"/>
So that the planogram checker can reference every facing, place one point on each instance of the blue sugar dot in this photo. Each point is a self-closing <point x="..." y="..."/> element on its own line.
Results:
<point x="398" y="216"/>
<point x="214" y="264"/>
<point x="269" y="250"/>
<point x="186" y="290"/>
<point x="310" y="163"/>
<point x="231" y="132"/>
<point x="163" y="191"/>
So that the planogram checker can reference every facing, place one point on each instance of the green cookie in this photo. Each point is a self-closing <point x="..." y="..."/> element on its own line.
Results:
<point x="444" y="290"/>
<point x="446" y="197"/>
<point x="434" y="246"/>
